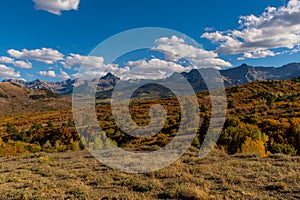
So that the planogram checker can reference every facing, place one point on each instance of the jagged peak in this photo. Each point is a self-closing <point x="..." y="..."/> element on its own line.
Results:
<point x="109" y="75"/>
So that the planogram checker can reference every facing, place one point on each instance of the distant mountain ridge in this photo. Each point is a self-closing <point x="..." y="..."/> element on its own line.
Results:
<point x="232" y="77"/>
<point x="38" y="84"/>
<point x="245" y="73"/>
<point x="65" y="87"/>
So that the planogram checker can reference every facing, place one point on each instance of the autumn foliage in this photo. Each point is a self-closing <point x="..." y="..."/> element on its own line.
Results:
<point x="263" y="117"/>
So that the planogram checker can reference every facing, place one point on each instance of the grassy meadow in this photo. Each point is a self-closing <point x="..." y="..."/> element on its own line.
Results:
<point x="78" y="175"/>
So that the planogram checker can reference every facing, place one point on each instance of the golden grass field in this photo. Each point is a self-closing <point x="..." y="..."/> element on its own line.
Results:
<point x="78" y="175"/>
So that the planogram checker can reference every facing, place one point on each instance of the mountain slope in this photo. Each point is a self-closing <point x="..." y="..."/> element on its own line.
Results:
<point x="245" y="73"/>
<point x="15" y="99"/>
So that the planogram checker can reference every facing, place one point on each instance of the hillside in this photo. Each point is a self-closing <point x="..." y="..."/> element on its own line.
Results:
<point x="15" y="99"/>
<point x="265" y="114"/>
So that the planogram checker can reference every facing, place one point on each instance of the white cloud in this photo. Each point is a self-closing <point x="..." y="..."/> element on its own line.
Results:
<point x="56" y="6"/>
<point x="63" y="75"/>
<point x="45" y="55"/>
<point x="90" y="66"/>
<point x="275" y="28"/>
<point x="175" y="48"/>
<point x="89" y="75"/>
<point x="87" y="61"/>
<point x="22" y="64"/>
<point x="92" y="73"/>
<point x="49" y="73"/>
<point x="4" y="59"/>
<point x="152" y="69"/>
<point x="257" y="54"/>
<point x="8" y="72"/>
<point x="116" y="70"/>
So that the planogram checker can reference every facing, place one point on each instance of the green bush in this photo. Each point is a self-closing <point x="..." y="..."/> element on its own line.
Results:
<point x="196" y="142"/>
<point x="14" y="148"/>
<point x="283" y="148"/>
<point x="33" y="148"/>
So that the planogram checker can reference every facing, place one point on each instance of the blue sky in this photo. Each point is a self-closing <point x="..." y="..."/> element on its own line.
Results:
<point x="79" y="27"/>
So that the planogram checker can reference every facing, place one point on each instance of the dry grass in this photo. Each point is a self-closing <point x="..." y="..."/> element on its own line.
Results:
<point x="77" y="175"/>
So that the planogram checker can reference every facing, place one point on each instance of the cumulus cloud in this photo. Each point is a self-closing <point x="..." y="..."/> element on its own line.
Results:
<point x="63" y="75"/>
<point x="152" y="69"/>
<point x="257" y="54"/>
<point x="175" y="48"/>
<point x="56" y="6"/>
<point x="45" y="55"/>
<point x="4" y="59"/>
<point x="19" y="63"/>
<point x="22" y="64"/>
<point x="116" y="70"/>
<point x="87" y="61"/>
<point x="50" y="73"/>
<point x="8" y="72"/>
<point x="90" y="66"/>
<point x="257" y="36"/>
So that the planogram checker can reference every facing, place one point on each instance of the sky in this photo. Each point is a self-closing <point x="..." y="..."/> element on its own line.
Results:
<point x="49" y="39"/>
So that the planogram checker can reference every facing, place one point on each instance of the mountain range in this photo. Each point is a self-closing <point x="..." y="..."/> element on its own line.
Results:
<point x="232" y="77"/>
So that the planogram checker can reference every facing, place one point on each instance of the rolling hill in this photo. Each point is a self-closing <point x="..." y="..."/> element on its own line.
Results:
<point x="15" y="99"/>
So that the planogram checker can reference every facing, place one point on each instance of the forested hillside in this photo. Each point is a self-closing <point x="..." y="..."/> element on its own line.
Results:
<point x="262" y="117"/>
